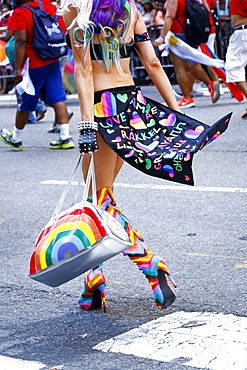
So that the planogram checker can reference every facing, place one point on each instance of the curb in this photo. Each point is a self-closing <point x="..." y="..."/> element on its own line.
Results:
<point x="7" y="101"/>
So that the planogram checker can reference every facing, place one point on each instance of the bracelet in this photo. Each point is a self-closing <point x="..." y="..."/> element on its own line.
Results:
<point x="88" y="124"/>
<point x="163" y="38"/>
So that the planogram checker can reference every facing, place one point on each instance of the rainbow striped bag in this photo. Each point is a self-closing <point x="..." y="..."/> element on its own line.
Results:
<point x="76" y="240"/>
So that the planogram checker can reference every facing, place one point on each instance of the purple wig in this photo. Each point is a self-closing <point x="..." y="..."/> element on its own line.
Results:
<point x="108" y="12"/>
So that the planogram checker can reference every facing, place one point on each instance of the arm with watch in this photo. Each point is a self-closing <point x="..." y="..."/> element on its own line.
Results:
<point x="171" y="10"/>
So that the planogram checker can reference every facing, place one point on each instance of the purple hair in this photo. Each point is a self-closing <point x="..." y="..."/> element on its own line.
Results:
<point x="108" y="12"/>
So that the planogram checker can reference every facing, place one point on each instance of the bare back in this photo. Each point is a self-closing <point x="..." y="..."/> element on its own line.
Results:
<point x="109" y="79"/>
<point x="103" y="80"/>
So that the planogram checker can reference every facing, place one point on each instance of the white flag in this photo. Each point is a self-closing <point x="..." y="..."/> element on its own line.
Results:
<point x="26" y="84"/>
<point x="186" y="52"/>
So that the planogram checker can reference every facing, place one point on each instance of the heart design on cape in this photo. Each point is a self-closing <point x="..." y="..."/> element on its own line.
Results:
<point x="107" y="107"/>
<point x="193" y="134"/>
<point x="122" y="97"/>
<point x="109" y="131"/>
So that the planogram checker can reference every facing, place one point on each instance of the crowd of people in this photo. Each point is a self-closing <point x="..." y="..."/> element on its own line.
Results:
<point x="169" y="15"/>
<point x="160" y="16"/>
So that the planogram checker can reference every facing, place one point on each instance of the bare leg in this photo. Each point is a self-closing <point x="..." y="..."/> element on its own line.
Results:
<point x="107" y="165"/>
<point x="212" y="73"/>
<point x="184" y="79"/>
<point x="21" y="118"/>
<point x="196" y="71"/>
<point x="61" y="112"/>
<point x="243" y="87"/>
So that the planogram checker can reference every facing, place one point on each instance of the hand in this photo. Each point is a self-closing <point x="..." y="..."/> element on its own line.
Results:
<point x="87" y="141"/>
<point x="159" y="41"/>
<point x="17" y="76"/>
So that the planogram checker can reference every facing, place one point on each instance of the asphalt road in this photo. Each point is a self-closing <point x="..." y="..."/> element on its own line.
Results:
<point x="200" y="232"/>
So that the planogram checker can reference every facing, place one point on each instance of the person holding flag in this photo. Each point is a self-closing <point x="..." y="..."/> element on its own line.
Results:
<point x="186" y="71"/>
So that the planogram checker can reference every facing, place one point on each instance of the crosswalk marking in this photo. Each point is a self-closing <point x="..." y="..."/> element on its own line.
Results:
<point x="9" y="363"/>
<point x="203" y="340"/>
<point x="159" y="187"/>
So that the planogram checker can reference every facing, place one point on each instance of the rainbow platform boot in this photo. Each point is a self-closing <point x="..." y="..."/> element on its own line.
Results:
<point x="152" y="266"/>
<point x="93" y="293"/>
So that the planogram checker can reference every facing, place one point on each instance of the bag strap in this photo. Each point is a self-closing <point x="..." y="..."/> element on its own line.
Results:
<point x="90" y="176"/>
<point x="28" y="7"/>
<point x="182" y="26"/>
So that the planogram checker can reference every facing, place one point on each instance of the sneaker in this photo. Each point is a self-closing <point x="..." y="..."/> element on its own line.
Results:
<point x="214" y="89"/>
<point x="41" y="114"/>
<point x="70" y="115"/>
<point x="244" y="115"/>
<point x="195" y="92"/>
<point x="62" y="144"/>
<point x="55" y="127"/>
<point x="197" y="89"/>
<point x="31" y="118"/>
<point x="6" y="137"/>
<point x="178" y="93"/>
<point x="186" y="103"/>
<point x="221" y="90"/>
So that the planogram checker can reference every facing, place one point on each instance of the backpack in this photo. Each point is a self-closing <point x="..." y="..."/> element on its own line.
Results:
<point x="48" y="38"/>
<point x="197" y="22"/>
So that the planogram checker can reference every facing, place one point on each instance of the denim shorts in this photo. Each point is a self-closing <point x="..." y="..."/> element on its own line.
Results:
<point x="48" y="84"/>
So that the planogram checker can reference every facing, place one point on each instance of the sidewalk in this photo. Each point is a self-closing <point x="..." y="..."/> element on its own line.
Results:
<point x="7" y="100"/>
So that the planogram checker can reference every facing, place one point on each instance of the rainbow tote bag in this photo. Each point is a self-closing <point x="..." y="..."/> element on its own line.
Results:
<point x="75" y="240"/>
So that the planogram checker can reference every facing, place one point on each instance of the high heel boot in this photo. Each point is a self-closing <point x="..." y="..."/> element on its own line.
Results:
<point x="93" y="293"/>
<point x="152" y="266"/>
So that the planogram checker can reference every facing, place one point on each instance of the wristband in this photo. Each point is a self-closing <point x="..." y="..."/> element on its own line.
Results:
<point x="87" y="141"/>
<point x="84" y="125"/>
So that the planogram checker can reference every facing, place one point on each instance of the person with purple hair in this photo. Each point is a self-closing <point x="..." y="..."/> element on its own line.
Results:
<point x="119" y="124"/>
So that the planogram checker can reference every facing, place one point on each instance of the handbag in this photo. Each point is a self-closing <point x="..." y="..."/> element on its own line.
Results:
<point x="77" y="239"/>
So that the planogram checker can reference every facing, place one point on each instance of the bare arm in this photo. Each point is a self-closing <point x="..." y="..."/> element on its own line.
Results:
<point x="206" y="4"/>
<point x="83" y="72"/>
<point x="20" y="48"/>
<point x="154" y="68"/>
<point x="171" y="10"/>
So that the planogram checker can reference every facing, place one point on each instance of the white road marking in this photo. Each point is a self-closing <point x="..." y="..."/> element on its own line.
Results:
<point x="9" y="363"/>
<point x="158" y="187"/>
<point x="203" y="340"/>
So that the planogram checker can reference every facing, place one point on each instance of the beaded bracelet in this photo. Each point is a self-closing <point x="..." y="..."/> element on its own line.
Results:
<point x="88" y="125"/>
<point x="163" y="37"/>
